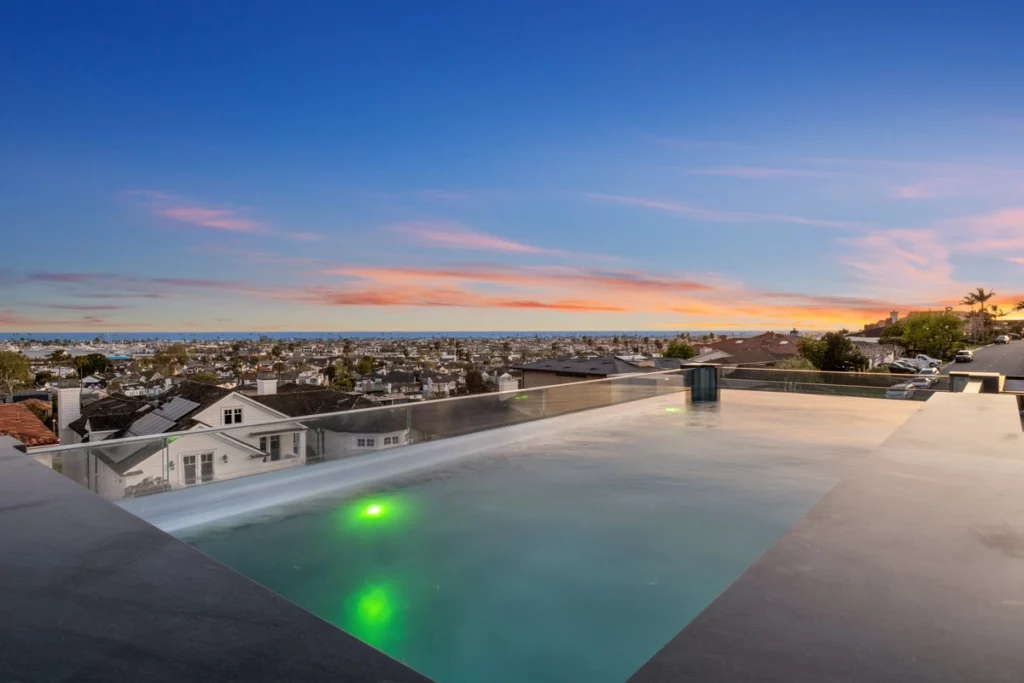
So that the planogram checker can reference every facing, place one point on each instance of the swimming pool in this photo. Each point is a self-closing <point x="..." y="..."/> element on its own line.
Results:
<point x="572" y="556"/>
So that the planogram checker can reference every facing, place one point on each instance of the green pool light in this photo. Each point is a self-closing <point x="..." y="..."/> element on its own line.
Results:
<point x="374" y="510"/>
<point x="671" y="410"/>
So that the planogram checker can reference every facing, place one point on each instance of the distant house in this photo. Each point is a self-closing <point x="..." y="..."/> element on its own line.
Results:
<point x="779" y="345"/>
<point x="565" y="370"/>
<point x="740" y="357"/>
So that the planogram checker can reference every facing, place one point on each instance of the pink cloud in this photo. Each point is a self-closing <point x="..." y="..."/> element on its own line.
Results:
<point x="457" y="236"/>
<point x="717" y="216"/>
<point x="918" y="191"/>
<point x="219" y="219"/>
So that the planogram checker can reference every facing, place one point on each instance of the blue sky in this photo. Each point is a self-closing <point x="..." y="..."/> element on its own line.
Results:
<point x="438" y="166"/>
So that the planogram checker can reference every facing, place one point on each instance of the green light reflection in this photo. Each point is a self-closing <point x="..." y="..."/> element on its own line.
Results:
<point x="671" y="410"/>
<point x="372" y="614"/>
<point x="373" y="514"/>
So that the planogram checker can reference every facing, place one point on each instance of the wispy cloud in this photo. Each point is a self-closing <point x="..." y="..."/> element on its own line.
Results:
<point x="458" y="236"/>
<point x="219" y="219"/>
<point x="180" y="210"/>
<point x="759" y="172"/>
<point x="81" y="307"/>
<point x="12" y="320"/>
<point x="698" y="213"/>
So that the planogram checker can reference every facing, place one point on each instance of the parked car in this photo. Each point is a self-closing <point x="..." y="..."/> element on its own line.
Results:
<point x="929" y="372"/>
<point x="964" y="356"/>
<point x="928" y="360"/>
<point x="1002" y="339"/>
<point x="901" y="368"/>
<point x="923" y="382"/>
<point x="904" y="390"/>
<point x="1013" y="335"/>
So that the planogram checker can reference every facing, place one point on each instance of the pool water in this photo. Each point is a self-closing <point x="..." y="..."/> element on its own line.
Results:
<point x="568" y="559"/>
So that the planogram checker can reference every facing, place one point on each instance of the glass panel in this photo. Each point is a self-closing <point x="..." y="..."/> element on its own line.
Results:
<point x="129" y="468"/>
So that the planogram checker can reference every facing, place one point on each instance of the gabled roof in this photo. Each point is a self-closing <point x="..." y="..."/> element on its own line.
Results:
<point x="299" y="403"/>
<point x="171" y="411"/>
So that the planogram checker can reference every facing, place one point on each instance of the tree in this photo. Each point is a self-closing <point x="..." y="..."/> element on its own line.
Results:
<point x="205" y="378"/>
<point x="365" y="365"/>
<point x="833" y="352"/>
<point x="936" y="334"/>
<point x="677" y="348"/>
<point x="981" y="297"/>
<point x="43" y="377"/>
<point x="343" y="384"/>
<point x="175" y="354"/>
<point x="796" y="363"/>
<point x="475" y="383"/>
<point x="892" y="335"/>
<point x="15" y="371"/>
<point x="91" y="364"/>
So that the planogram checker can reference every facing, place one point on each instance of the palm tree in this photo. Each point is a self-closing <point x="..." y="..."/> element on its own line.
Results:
<point x="982" y="297"/>
<point x="59" y="357"/>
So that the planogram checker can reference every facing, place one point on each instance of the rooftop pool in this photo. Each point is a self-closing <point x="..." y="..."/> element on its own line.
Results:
<point x="569" y="549"/>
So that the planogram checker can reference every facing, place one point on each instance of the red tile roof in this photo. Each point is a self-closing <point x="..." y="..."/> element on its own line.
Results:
<point x="18" y="421"/>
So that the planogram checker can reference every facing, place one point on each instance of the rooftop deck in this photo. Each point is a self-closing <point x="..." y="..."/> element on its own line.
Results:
<point x="908" y="570"/>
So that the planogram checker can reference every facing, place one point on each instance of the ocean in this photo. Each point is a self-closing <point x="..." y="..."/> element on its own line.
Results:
<point x="110" y="337"/>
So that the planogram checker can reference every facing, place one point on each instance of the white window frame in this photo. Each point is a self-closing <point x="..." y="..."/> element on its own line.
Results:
<point x="296" y="442"/>
<point x="232" y="416"/>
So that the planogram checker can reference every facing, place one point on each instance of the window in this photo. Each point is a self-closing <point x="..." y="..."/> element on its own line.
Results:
<point x="188" y="466"/>
<point x="271" y="445"/>
<point x="232" y="416"/>
<point x="296" y="443"/>
<point x="206" y="467"/>
<point x="365" y="443"/>
<point x="391" y="440"/>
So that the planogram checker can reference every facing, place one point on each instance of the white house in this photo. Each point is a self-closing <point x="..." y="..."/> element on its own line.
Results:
<point x="117" y="470"/>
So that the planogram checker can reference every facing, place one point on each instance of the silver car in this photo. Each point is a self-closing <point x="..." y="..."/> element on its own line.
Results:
<point x="905" y="390"/>
<point x="923" y="382"/>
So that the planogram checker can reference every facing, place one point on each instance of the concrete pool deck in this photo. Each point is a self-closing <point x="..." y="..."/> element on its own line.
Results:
<point x="910" y="570"/>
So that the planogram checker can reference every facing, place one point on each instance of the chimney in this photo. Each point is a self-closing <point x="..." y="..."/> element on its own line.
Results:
<point x="894" y="316"/>
<point x="69" y="407"/>
<point x="266" y="384"/>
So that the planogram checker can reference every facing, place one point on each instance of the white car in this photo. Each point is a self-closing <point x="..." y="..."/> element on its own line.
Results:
<point x="929" y="372"/>
<point x="964" y="356"/>
<point x="928" y="360"/>
<point x="1002" y="339"/>
<point x="923" y="382"/>
<point x="905" y="391"/>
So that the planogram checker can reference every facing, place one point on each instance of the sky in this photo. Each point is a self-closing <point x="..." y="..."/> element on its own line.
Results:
<point x="577" y="165"/>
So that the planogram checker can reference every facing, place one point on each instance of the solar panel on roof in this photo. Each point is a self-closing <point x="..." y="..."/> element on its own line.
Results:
<point x="177" y="408"/>
<point x="150" y="424"/>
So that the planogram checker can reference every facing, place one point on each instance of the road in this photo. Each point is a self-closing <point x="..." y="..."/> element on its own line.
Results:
<point x="1006" y="359"/>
